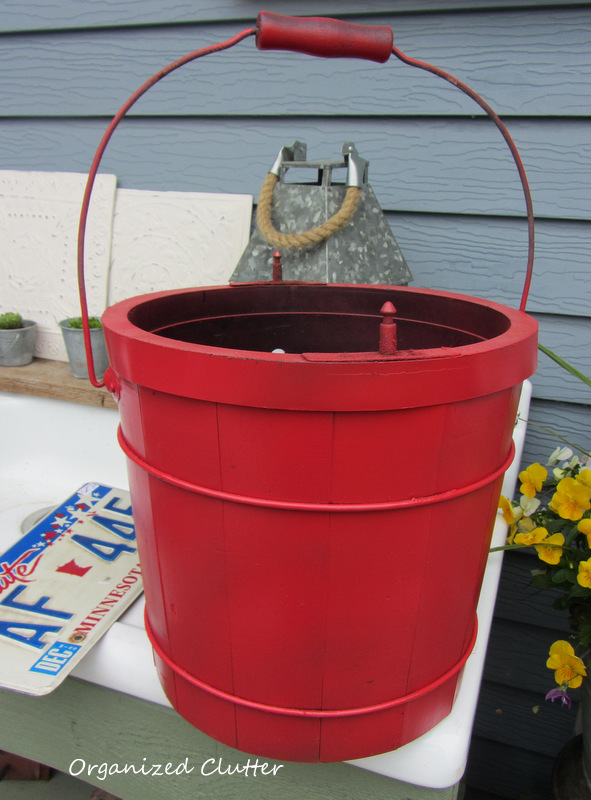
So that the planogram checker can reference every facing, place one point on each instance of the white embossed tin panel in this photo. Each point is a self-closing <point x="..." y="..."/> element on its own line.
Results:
<point x="39" y="215"/>
<point x="175" y="240"/>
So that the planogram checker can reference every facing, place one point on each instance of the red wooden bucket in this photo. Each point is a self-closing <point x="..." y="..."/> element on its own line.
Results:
<point x="313" y="525"/>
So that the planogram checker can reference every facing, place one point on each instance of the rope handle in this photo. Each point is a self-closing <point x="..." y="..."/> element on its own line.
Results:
<point x="306" y="238"/>
<point x="316" y="36"/>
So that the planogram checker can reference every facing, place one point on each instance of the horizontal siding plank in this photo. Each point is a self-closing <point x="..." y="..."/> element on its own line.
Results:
<point x="509" y="772"/>
<point x="471" y="793"/>
<point x="521" y="603"/>
<point x="486" y="257"/>
<point x="71" y="14"/>
<point x="439" y="166"/>
<point x="522" y="719"/>
<point x="505" y="662"/>
<point x="568" y="420"/>
<point x="537" y="74"/>
<point x="569" y="338"/>
<point x="445" y="178"/>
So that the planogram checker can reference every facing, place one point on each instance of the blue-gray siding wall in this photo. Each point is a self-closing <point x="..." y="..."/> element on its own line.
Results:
<point x="440" y="170"/>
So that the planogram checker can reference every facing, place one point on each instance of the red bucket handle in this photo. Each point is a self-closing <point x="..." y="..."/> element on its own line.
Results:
<point x="317" y="36"/>
<point x="320" y="36"/>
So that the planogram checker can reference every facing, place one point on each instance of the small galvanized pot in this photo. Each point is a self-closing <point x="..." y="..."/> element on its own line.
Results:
<point x="74" y="341"/>
<point x="17" y="344"/>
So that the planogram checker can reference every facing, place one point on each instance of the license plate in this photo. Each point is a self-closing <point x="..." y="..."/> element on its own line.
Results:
<point x="63" y="584"/>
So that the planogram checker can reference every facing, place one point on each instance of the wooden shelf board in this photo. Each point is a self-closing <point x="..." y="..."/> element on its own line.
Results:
<point x="46" y="378"/>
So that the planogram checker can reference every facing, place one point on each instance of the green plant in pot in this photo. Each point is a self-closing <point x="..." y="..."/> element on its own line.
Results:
<point x="17" y="339"/>
<point x="73" y="334"/>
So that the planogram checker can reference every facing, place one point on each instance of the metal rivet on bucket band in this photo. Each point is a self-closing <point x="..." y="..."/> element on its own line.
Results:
<point x="288" y="505"/>
<point x="311" y="712"/>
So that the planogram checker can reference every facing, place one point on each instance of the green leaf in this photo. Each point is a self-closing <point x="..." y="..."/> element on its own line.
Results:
<point x="543" y="580"/>
<point x="561" y="603"/>
<point x="565" y="364"/>
<point x="571" y="536"/>
<point x="585" y="634"/>
<point x="580" y="591"/>
<point x="562" y="575"/>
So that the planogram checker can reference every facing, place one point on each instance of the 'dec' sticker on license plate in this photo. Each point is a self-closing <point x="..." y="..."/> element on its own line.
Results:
<point x="63" y="585"/>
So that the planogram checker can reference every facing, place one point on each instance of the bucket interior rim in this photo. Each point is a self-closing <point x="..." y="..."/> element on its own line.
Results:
<point x="134" y="317"/>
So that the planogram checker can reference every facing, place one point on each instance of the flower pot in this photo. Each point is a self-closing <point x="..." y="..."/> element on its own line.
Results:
<point x="74" y="341"/>
<point x="17" y="344"/>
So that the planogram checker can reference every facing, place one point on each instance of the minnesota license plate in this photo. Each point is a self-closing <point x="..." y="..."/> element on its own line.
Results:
<point x="63" y="584"/>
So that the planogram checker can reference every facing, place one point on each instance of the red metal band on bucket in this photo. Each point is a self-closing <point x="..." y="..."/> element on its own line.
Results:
<point x="288" y="505"/>
<point x="313" y="713"/>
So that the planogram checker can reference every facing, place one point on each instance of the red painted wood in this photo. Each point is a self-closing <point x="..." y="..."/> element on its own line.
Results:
<point x="321" y="36"/>
<point x="329" y="633"/>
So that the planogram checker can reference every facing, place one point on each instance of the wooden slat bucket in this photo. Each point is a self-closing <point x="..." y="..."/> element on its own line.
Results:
<point x="313" y="525"/>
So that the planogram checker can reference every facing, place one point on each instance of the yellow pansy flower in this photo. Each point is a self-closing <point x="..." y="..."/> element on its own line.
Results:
<point x="559" y="454"/>
<point x="507" y="508"/>
<point x="532" y="479"/>
<point x="584" y="527"/>
<point x="568" y="668"/>
<point x="510" y="515"/>
<point x="584" y="477"/>
<point x="534" y="537"/>
<point x="527" y="506"/>
<point x="526" y="525"/>
<point x="584" y="576"/>
<point x="550" y="550"/>
<point x="571" y="499"/>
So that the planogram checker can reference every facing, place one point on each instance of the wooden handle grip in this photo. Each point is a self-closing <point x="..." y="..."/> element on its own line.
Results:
<point x="321" y="36"/>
